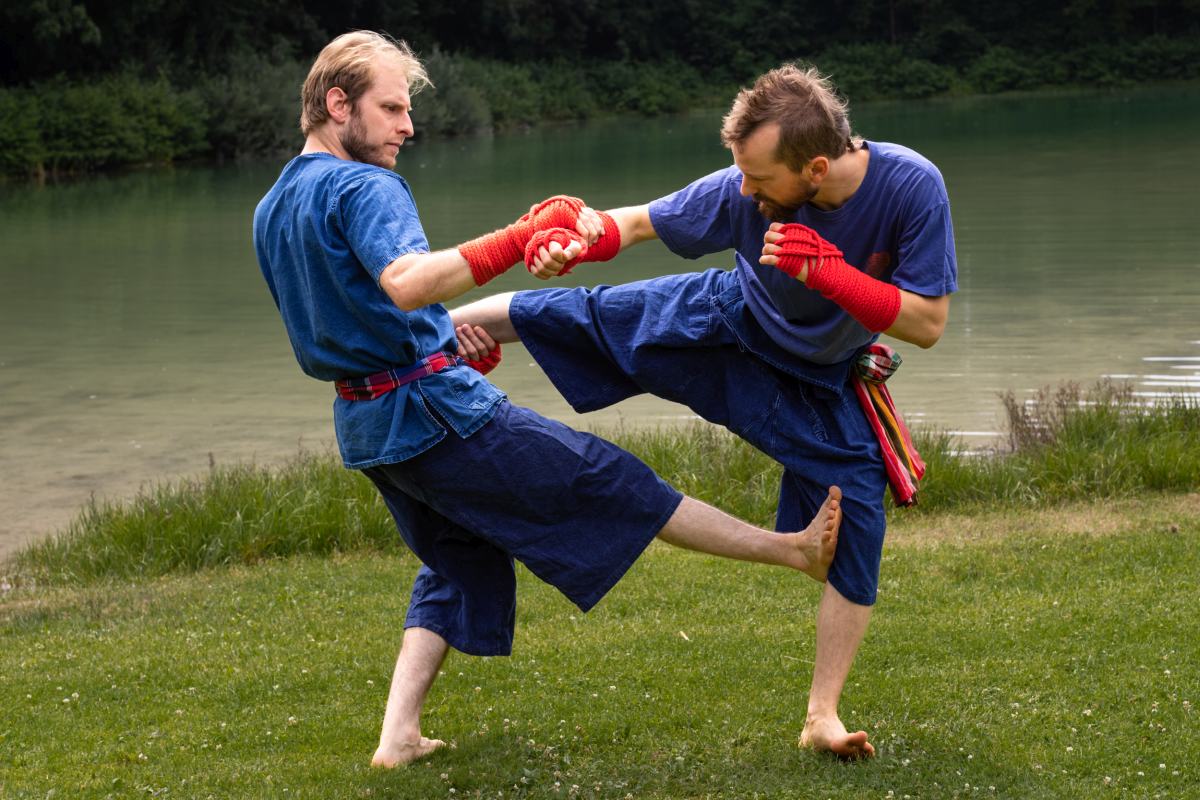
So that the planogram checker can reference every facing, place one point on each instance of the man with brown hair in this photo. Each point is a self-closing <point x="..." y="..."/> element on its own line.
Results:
<point x="837" y="240"/>
<point x="472" y="481"/>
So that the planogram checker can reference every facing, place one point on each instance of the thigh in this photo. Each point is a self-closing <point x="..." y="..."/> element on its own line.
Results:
<point x="574" y="508"/>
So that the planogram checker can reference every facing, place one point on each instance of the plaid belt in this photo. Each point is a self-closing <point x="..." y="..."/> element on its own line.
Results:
<point x="381" y="383"/>
<point x="900" y="458"/>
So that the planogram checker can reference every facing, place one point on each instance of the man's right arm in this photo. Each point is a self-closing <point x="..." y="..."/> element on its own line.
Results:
<point x="415" y="280"/>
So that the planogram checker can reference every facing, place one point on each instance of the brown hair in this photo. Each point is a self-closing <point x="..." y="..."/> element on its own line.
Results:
<point x="813" y="119"/>
<point x="347" y="63"/>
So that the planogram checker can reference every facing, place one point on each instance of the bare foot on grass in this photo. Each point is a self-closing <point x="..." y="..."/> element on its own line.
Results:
<point x="818" y="541"/>
<point x="828" y="734"/>
<point x="397" y="754"/>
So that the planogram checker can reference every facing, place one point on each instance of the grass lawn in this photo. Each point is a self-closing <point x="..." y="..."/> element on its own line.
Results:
<point x="1019" y="655"/>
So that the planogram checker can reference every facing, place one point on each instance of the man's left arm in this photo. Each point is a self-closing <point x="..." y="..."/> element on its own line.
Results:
<point x="879" y="306"/>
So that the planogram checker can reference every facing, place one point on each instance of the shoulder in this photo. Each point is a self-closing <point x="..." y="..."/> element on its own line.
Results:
<point x="901" y="164"/>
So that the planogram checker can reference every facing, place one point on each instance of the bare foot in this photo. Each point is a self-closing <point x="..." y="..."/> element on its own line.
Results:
<point x="828" y="734"/>
<point x="400" y="753"/>
<point x="818" y="541"/>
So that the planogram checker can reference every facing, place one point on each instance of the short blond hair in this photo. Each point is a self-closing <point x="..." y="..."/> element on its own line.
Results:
<point x="813" y="119"/>
<point x="348" y="63"/>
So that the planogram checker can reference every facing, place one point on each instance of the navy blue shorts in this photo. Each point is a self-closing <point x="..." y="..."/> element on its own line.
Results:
<point x="573" y="508"/>
<point x="689" y="338"/>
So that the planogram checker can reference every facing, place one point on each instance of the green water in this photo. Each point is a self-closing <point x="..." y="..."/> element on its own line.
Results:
<point x="137" y="340"/>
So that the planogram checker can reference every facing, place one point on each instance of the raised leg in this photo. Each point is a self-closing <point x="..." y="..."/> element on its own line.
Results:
<point x="491" y="314"/>
<point x="698" y="526"/>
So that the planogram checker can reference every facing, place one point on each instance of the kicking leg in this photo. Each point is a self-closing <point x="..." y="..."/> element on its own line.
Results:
<point x="400" y="741"/>
<point x="841" y="626"/>
<point x="698" y="526"/>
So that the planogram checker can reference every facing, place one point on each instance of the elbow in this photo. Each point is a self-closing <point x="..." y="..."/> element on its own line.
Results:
<point x="402" y="295"/>
<point x="404" y="292"/>
<point x="929" y="335"/>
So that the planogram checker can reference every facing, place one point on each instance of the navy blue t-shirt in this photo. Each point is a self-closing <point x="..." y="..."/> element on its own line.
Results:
<point x="323" y="234"/>
<point x="895" y="227"/>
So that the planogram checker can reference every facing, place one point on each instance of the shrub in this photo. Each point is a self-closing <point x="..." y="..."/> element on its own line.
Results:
<point x="120" y="120"/>
<point x="255" y="108"/>
<point x="454" y="104"/>
<point x="21" y="149"/>
<point x="1001" y="69"/>
<point x="867" y="72"/>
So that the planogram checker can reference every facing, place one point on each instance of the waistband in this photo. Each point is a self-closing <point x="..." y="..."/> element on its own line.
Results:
<point x="379" y="384"/>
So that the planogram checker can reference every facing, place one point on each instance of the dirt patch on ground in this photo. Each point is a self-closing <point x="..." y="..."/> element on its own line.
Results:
<point x="1154" y="514"/>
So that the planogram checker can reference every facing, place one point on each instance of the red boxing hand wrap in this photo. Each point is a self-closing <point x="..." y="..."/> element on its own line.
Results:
<point x="605" y="248"/>
<point x="493" y="253"/>
<point x="608" y="245"/>
<point x="874" y="303"/>
<point x="562" y="237"/>
<point x="486" y="364"/>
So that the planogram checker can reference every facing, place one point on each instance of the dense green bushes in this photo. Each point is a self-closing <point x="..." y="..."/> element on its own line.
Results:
<point x="252" y="107"/>
<point x="62" y="127"/>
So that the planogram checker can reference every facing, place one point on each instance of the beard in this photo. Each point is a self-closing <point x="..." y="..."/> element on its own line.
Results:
<point x="777" y="211"/>
<point x="354" y="142"/>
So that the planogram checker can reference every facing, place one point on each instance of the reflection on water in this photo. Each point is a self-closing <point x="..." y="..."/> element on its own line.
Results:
<point x="137" y="340"/>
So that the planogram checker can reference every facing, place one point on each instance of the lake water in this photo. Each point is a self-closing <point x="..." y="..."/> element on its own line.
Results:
<point x="138" y="341"/>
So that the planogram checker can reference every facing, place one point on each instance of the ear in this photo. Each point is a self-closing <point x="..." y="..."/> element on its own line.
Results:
<point x="337" y="104"/>
<point x="817" y="169"/>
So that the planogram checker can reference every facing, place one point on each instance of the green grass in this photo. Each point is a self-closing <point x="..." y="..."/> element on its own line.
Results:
<point x="1027" y="657"/>
<point x="1035" y="637"/>
<point x="1065" y="445"/>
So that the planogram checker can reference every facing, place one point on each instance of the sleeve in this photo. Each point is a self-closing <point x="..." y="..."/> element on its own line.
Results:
<point x="695" y="221"/>
<point x="926" y="260"/>
<point x="378" y="216"/>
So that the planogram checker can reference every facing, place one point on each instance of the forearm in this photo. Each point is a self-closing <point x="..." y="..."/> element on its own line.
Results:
<point x="415" y="280"/>
<point x="634" y="224"/>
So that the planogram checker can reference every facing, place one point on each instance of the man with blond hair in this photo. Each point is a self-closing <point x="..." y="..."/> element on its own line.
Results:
<point x="472" y="481"/>
<point x="836" y="240"/>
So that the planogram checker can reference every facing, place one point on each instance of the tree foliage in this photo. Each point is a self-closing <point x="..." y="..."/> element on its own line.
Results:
<point x="722" y="40"/>
<point x="222" y="79"/>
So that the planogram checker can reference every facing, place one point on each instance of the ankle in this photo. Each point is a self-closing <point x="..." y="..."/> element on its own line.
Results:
<point x="817" y="715"/>
<point x="400" y="735"/>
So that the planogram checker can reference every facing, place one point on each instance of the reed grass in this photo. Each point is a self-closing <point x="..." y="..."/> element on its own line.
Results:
<point x="1063" y="444"/>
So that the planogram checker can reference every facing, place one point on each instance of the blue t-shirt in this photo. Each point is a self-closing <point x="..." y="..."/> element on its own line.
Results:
<point x="323" y="236"/>
<point x="895" y="227"/>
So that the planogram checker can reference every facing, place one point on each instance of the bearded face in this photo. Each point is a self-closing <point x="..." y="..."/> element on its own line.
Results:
<point x="358" y="146"/>
<point x="784" y="209"/>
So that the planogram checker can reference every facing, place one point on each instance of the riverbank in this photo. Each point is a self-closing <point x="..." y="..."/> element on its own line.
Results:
<point x="1063" y="446"/>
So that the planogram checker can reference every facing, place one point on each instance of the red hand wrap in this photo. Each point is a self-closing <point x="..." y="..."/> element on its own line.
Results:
<point x="874" y="303"/>
<point x="605" y="248"/>
<point x="543" y="238"/>
<point x="493" y="253"/>
<point x="487" y="363"/>
<point x="608" y="245"/>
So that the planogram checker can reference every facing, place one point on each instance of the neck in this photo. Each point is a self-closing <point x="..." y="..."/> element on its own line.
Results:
<point x="324" y="140"/>
<point x="846" y="174"/>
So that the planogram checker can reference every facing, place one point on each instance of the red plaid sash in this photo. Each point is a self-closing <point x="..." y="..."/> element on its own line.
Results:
<point x="900" y="458"/>
<point x="381" y="383"/>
